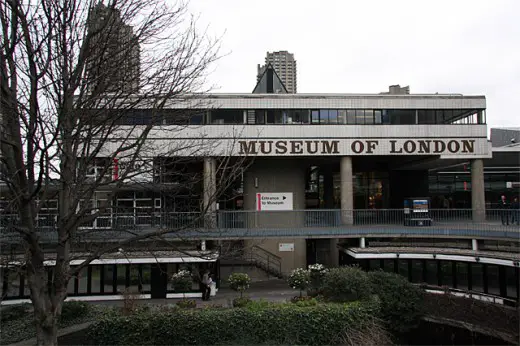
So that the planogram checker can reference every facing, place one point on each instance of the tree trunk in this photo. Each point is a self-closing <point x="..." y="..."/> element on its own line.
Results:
<point x="47" y="331"/>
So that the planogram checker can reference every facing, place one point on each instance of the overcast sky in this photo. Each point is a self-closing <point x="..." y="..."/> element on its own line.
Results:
<point x="469" y="47"/>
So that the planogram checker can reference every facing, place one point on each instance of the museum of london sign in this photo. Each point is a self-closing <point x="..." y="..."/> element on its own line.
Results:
<point x="453" y="146"/>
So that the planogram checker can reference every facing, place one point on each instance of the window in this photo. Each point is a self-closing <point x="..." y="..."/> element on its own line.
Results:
<point x="477" y="276"/>
<point x="417" y="271"/>
<point x="333" y="116"/>
<point x="108" y="278"/>
<point x="462" y="275"/>
<point x="511" y="282"/>
<point x="378" y="117"/>
<point x="360" y="117"/>
<point x="342" y="116"/>
<point x="121" y="278"/>
<point x="95" y="279"/>
<point x="83" y="281"/>
<point x="369" y="116"/>
<point x="227" y="116"/>
<point x="324" y="116"/>
<point x="260" y="116"/>
<point x="431" y="273"/>
<point x="374" y="264"/>
<point x="493" y="280"/>
<point x="146" y="273"/>
<point x="315" y="116"/>
<point x="403" y="268"/>
<point x="447" y="273"/>
<point x="351" y="116"/>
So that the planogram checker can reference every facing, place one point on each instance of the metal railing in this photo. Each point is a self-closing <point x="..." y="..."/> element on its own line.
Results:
<point x="497" y="222"/>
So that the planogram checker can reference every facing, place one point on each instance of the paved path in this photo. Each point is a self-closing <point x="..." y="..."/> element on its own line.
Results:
<point x="271" y="290"/>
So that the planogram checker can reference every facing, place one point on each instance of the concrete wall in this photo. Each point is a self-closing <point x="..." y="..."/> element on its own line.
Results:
<point x="290" y="259"/>
<point x="278" y="175"/>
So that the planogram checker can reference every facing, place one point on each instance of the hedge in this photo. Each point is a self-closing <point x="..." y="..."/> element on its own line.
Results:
<point x="274" y="324"/>
<point x="401" y="301"/>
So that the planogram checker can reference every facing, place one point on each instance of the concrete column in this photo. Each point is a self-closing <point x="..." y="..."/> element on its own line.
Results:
<point x="478" y="199"/>
<point x="362" y="243"/>
<point x="474" y="244"/>
<point x="347" y="191"/>
<point x="210" y="191"/>
<point x="334" y="253"/>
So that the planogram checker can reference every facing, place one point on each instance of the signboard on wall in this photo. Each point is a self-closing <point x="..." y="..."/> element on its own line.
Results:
<point x="286" y="247"/>
<point x="269" y="201"/>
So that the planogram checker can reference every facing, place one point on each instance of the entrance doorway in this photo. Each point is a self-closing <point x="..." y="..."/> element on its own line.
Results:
<point x="159" y="280"/>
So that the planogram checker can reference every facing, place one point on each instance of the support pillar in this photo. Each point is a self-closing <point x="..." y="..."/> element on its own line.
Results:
<point x="474" y="244"/>
<point x="334" y="253"/>
<point x="209" y="193"/>
<point x="347" y="191"/>
<point x="362" y="243"/>
<point x="478" y="199"/>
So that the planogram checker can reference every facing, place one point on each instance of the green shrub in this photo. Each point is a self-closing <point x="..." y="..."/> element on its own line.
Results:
<point x="14" y="312"/>
<point x="401" y="301"/>
<point x="276" y="324"/>
<point x="72" y="310"/>
<point x="346" y="284"/>
<point x="239" y="282"/>
<point x="306" y="302"/>
<point x="241" y="302"/>
<point x="257" y="305"/>
<point x="317" y="273"/>
<point x="182" y="281"/>
<point x="299" y="279"/>
<point x="187" y="303"/>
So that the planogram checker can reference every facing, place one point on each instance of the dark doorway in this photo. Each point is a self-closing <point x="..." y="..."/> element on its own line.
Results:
<point x="159" y="280"/>
<point x="311" y="251"/>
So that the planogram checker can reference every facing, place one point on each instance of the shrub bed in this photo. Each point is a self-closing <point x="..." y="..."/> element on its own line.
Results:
<point x="274" y="324"/>
<point x="21" y="325"/>
<point x="346" y="284"/>
<point x="401" y="301"/>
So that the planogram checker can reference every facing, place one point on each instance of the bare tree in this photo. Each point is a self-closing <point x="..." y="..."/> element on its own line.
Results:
<point x="84" y="84"/>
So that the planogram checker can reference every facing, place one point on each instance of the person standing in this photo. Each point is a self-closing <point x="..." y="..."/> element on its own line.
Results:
<point x="515" y="212"/>
<point x="504" y="210"/>
<point x="206" y="284"/>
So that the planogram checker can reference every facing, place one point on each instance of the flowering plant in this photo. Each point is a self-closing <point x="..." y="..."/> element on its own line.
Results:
<point x="182" y="281"/>
<point x="239" y="282"/>
<point x="316" y="273"/>
<point x="299" y="279"/>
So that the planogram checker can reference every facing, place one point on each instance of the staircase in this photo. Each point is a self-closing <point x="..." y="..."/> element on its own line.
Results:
<point x="265" y="260"/>
<point x="256" y="257"/>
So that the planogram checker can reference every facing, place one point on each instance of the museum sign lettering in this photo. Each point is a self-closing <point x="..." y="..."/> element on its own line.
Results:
<point x="358" y="147"/>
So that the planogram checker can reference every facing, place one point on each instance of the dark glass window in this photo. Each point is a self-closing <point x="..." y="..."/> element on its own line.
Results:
<point x="403" y="268"/>
<point x="493" y="281"/>
<point x="260" y="116"/>
<point x="121" y="277"/>
<point x="431" y="273"/>
<point x="95" y="279"/>
<point x="477" y="277"/>
<point x="13" y="283"/>
<point x="108" y="276"/>
<point x="447" y="273"/>
<point x="324" y="116"/>
<point x="389" y="265"/>
<point x="315" y="116"/>
<point x="134" y="278"/>
<point x="333" y="116"/>
<point x="511" y="282"/>
<point x="462" y="275"/>
<point x="83" y="281"/>
<point x="374" y="264"/>
<point x="227" y="116"/>
<point x="302" y="116"/>
<point x="417" y="271"/>
<point x="146" y="277"/>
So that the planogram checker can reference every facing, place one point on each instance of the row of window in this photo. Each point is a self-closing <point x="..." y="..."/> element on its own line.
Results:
<point x="485" y="278"/>
<point x="305" y="116"/>
<point x="96" y="280"/>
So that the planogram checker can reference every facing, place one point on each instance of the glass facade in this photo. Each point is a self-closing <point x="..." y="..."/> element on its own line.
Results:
<point x="304" y="116"/>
